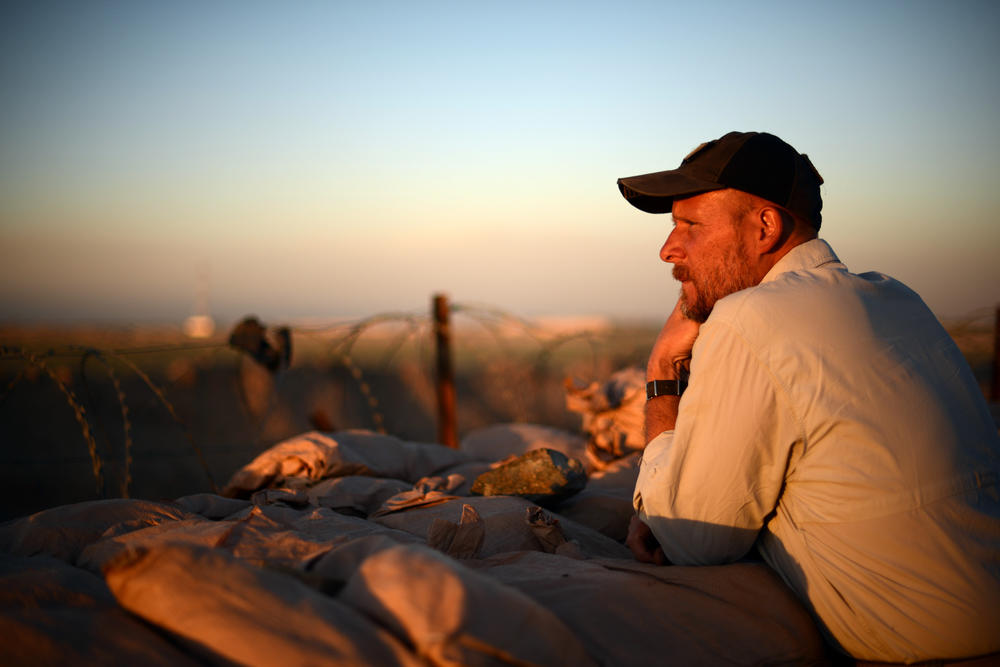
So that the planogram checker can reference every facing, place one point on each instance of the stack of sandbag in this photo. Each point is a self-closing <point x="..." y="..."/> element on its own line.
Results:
<point x="613" y="414"/>
<point x="355" y="548"/>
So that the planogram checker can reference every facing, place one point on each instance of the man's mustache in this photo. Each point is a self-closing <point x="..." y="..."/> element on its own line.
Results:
<point x="681" y="273"/>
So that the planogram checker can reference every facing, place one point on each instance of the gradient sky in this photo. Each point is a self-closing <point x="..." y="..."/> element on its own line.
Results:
<point x="321" y="159"/>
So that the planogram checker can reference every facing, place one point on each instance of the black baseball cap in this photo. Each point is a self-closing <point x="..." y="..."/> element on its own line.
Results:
<point x="754" y="162"/>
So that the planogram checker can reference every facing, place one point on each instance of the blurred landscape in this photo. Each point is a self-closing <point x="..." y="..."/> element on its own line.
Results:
<point x="168" y="415"/>
<point x="375" y="373"/>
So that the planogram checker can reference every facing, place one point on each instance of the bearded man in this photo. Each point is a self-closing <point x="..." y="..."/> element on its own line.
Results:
<point x="828" y="420"/>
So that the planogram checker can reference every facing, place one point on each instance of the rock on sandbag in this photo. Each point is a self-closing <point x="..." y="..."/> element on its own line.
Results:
<point x="499" y="441"/>
<point x="543" y="476"/>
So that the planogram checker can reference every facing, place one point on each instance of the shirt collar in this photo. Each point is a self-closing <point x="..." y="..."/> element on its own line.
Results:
<point x="808" y="255"/>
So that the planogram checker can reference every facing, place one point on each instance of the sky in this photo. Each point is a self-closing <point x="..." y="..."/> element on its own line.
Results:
<point x="326" y="159"/>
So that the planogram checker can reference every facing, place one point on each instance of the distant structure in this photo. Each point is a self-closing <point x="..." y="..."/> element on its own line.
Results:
<point x="200" y="324"/>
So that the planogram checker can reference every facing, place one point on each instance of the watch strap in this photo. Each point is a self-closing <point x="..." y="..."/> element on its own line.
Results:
<point x="656" y="388"/>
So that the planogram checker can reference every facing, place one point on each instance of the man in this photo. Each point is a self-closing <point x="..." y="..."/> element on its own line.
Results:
<point x="828" y="419"/>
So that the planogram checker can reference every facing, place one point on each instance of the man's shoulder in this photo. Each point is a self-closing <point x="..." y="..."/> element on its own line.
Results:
<point x="815" y="301"/>
<point x="789" y="294"/>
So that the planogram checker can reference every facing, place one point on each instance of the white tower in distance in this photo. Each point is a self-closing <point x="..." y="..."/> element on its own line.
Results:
<point x="200" y="324"/>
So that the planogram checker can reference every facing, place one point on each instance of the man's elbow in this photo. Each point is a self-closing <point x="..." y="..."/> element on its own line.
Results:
<point x="692" y="542"/>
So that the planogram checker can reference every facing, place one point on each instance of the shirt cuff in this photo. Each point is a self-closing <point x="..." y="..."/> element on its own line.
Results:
<point x="652" y="465"/>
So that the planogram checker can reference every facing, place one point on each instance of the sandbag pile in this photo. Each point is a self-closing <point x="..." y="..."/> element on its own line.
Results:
<point x="355" y="548"/>
<point x="613" y="414"/>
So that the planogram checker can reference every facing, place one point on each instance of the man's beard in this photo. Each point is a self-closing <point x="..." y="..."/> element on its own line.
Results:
<point x="731" y="274"/>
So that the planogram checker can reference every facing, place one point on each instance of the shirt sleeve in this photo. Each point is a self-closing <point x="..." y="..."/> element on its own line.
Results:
<point x="706" y="488"/>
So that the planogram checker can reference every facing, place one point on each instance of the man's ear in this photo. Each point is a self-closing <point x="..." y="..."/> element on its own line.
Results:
<point x="772" y="229"/>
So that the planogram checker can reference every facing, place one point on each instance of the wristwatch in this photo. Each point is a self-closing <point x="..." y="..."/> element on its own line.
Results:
<point x="656" y="388"/>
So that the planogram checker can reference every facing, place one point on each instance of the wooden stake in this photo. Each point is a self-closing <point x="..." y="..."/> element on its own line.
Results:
<point x="447" y="430"/>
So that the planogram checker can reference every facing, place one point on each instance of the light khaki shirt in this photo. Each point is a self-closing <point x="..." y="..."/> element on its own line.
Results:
<point x="831" y="416"/>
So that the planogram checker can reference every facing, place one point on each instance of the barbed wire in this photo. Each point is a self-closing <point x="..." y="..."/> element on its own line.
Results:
<point x="339" y="341"/>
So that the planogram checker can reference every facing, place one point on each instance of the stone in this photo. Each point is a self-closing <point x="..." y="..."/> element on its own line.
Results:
<point x="544" y="476"/>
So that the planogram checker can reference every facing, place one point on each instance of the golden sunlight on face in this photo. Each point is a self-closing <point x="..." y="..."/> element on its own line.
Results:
<point x="708" y="251"/>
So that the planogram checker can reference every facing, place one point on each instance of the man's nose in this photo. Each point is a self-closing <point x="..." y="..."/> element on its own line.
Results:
<point x="671" y="250"/>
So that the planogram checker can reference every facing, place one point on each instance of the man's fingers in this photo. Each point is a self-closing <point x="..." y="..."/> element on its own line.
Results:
<point x="642" y="544"/>
<point x="659" y="558"/>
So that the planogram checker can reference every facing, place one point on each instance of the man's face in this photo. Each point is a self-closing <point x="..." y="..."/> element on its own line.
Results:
<point x="709" y="250"/>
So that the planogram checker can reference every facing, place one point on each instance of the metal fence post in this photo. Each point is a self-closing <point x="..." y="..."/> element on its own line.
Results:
<point x="447" y="431"/>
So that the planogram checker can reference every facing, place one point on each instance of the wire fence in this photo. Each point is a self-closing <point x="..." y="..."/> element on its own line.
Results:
<point x="502" y="360"/>
<point x="129" y="407"/>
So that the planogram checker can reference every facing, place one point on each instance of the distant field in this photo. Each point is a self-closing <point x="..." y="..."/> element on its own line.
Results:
<point x="224" y="408"/>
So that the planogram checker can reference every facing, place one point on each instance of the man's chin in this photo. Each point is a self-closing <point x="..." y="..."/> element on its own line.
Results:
<point x="696" y="311"/>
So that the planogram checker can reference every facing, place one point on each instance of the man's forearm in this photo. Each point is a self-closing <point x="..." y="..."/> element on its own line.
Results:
<point x="661" y="415"/>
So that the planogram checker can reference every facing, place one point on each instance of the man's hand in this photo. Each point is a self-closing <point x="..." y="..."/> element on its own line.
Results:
<point x="672" y="348"/>
<point x="643" y="545"/>
<point x="671" y="352"/>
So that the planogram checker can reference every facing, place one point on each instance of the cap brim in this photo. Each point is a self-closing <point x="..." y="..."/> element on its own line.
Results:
<point x="655" y="193"/>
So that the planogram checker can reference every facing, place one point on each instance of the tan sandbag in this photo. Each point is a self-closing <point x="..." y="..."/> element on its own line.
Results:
<point x="425" y="493"/>
<point x="468" y="472"/>
<point x="617" y="477"/>
<point x="613" y="414"/>
<point x="458" y="540"/>
<point x="202" y="532"/>
<point x="264" y="540"/>
<point x="499" y="441"/>
<point x="388" y="456"/>
<point x="455" y="617"/>
<point x="52" y="613"/>
<point x="64" y="531"/>
<point x="321" y="524"/>
<point x="505" y="525"/>
<point x="606" y="503"/>
<point x="627" y="613"/>
<point x="211" y="506"/>
<point x="246" y="614"/>
<point x="607" y="514"/>
<point x="355" y="494"/>
<point x="277" y="537"/>
<point x="307" y="458"/>
<point x="342" y="561"/>
<point x="304" y="457"/>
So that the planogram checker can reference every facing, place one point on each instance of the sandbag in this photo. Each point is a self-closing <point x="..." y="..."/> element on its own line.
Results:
<point x="322" y="524"/>
<point x="506" y="526"/>
<point x="608" y="514"/>
<point x="468" y="471"/>
<point x="246" y="614"/>
<point x="341" y="562"/>
<point x="199" y="531"/>
<point x="211" y="506"/>
<point x="454" y="617"/>
<point x="271" y="538"/>
<point x="605" y="504"/>
<point x="628" y="613"/>
<point x="355" y="494"/>
<point x="613" y="414"/>
<point x="64" y="531"/>
<point x="52" y="613"/>
<point x="307" y="458"/>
